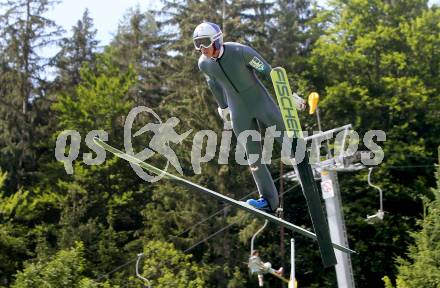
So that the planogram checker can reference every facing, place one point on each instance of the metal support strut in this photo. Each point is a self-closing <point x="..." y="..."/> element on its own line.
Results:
<point x="292" y="280"/>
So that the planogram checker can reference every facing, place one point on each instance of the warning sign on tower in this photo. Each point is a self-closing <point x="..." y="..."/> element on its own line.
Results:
<point x="327" y="189"/>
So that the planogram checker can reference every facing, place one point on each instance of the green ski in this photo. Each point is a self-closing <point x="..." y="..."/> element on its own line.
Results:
<point x="189" y="184"/>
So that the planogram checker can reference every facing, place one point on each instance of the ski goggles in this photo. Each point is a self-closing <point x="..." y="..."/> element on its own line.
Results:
<point x="203" y="42"/>
<point x="206" y="41"/>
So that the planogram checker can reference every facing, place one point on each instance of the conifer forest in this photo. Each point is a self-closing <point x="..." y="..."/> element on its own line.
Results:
<point x="374" y="63"/>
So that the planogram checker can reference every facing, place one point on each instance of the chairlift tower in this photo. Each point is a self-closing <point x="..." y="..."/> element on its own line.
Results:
<point x="326" y="170"/>
<point x="336" y="223"/>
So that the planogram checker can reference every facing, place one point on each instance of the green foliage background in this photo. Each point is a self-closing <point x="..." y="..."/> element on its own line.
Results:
<point x="375" y="64"/>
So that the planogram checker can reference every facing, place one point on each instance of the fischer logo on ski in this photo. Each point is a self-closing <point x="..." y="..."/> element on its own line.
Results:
<point x="286" y="102"/>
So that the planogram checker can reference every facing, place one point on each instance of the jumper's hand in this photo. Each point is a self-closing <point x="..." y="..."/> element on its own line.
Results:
<point x="225" y="114"/>
<point x="300" y="103"/>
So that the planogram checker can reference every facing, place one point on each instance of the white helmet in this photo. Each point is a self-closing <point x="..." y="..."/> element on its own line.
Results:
<point x="207" y="34"/>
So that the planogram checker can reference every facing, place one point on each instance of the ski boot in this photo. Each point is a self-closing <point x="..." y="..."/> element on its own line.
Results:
<point x="260" y="204"/>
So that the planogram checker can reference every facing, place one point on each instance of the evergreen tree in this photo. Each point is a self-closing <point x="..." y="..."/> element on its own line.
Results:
<point x="106" y="217"/>
<point x="75" y="52"/>
<point x="291" y="37"/>
<point x="247" y="22"/>
<point x="138" y="43"/>
<point x="100" y="101"/>
<point x="24" y="32"/>
<point x="421" y="267"/>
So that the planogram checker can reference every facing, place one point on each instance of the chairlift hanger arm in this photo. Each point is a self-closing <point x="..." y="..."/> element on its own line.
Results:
<point x="140" y="255"/>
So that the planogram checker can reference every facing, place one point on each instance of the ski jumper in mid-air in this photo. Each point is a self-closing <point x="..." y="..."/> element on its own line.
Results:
<point x="230" y="69"/>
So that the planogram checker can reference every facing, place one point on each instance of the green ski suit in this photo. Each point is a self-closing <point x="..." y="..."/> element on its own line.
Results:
<point x="233" y="82"/>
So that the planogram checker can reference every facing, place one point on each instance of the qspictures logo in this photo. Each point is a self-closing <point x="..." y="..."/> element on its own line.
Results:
<point x="206" y="145"/>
